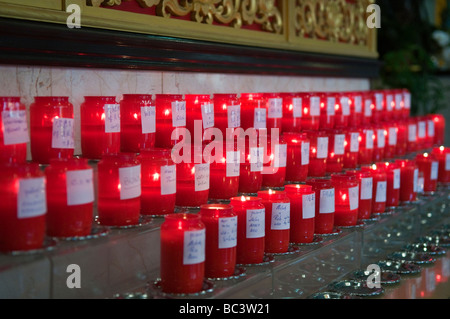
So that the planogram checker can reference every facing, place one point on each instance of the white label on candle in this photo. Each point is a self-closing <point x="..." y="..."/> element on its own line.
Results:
<point x="447" y="162"/>
<point x="31" y="199"/>
<point x="234" y="116"/>
<point x="130" y="182"/>
<point x="345" y="106"/>
<point x="280" y="155"/>
<point x="369" y="139"/>
<point x="322" y="147"/>
<point x="339" y="144"/>
<point x="416" y="180"/>
<point x="314" y="104"/>
<point x="148" y="119"/>
<point x="281" y="213"/>
<point x="305" y="153"/>
<point x="227" y="232"/>
<point x="112" y="118"/>
<point x="194" y="247"/>
<point x="379" y="101"/>
<point x="326" y="201"/>
<point x="389" y="100"/>
<point x="275" y="108"/>
<point x="308" y="206"/>
<point x="412" y="132"/>
<point x="358" y="104"/>
<point x="201" y="177"/>
<point x="353" y="193"/>
<point x="62" y="133"/>
<point x="368" y="107"/>
<point x="392" y="136"/>
<point x="331" y="103"/>
<point x="381" y="139"/>
<point x="354" y="142"/>
<point x="15" y="127"/>
<point x="232" y="164"/>
<point x="255" y="223"/>
<point x="256" y="159"/>
<point x="430" y="127"/>
<point x="396" y="178"/>
<point x="398" y="101"/>
<point x="297" y="104"/>
<point x="260" y="118"/>
<point x="434" y="170"/>
<point x="366" y="188"/>
<point x="80" y="187"/>
<point x="208" y="115"/>
<point x="407" y="97"/>
<point x="178" y="113"/>
<point x="381" y="192"/>
<point x="422" y="129"/>
<point x="420" y="184"/>
<point x="168" y="179"/>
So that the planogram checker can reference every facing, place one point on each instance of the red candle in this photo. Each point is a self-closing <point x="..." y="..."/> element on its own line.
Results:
<point x="351" y="147"/>
<point x="402" y="138"/>
<point x="407" y="103"/>
<point x="70" y="197"/>
<point x="356" y="108"/>
<point x="390" y="148"/>
<point x="318" y="153"/>
<point x="251" y="229"/>
<point x="368" y="107"/>
<point x="119" y="189"/>
<point x="399" y="102"/>
<point x="336" y="150"/>
<point x="428" y="165"/>
<point x="137" y="122"/>
<point x="366" y="145"/>
<point x="421" y="132"/>
<point x="170" y="117"/>
<point x="274" y="171"/>
<point x="297" y="158"/>
<point x="183" y="241"/>
<point x="379" y="142"/>
<point x="51" y="128"/>
<point x="274" y="105"/>
<point x="365" y="195"/>
<point x="439" y="129"/>
<point x="251" y="166"/>
<point x="393" y="183"/>
<point x="303" y="207"/>
<point x="225" y="170"/>
<point x="379" y="188"/>
<point x="158" y="182"/>
<point x="430" y="131"/>
<point x="199" y="115"/>
<point x="292" y="112"/>
<point x="412" y="141"/>
<point x="327" y="110"/>
<point x="277" y="233"/>
<point x="14" y="134"/>
<point x="221" y="240"/>
<point x="100" y="126"/>
<point x="442" y="153"/>
<point x="409" y="174"/>
<point x="310" y="119"/>
<point x="227" y="113"/>
<point x="378" y="99"/>
<point x="389" y="105"/>
<point x="347" y="199"/>
<point x="342" y="110"/>
<point x="253" y="111"/>
<point x="325" y="205"/>
<point x="24" y="207"/>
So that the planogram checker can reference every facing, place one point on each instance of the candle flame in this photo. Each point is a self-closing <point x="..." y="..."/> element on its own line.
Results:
<point x="243" y="198"/>
<point x="425" y="154"/>
<point x="224" y="107"/>
<point x="135" y="116"/>
<point x="441" y="148"/>
<point x="271" y="191"/>
<point x="103" y="117"/>
<point x="119" y="187"/>
<point x="155" y="177"/>
<point x="305" y="110"/>
<point x="374" y="166"/>
<point x="166" y="112"/>
<point x="291" y="107"/>
<point x="344" y="197"/>
<point x="193" y="170"/>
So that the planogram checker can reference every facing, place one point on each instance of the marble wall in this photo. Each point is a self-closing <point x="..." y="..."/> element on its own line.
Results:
<point x="30" y="81"/>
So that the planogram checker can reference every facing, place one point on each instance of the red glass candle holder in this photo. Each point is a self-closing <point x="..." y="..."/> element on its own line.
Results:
<point x="303" y="207"/>
<point x="336" y="150"/>
<point x="379" y="142"/>
<point x="368" y="108"/>
<point x="365" y="194"/>
<point x="225" y="171"/>
<point x="390" y="150"/>
<point x="310" y="119"/>
<point x="119" y="190"/>
<point x="421" y="132"/>
<point x="407" y="103"/>
<point x="274" y="105"/>
<point x="14" y="134"/>
<point x="251" y="166"/>
<point x="227" y="113"/>
<point x="318" y="154"/>
<point x="402" y="138"/>
<point x="274" y="167"/>
<point x="389" y="105"/>
<point x="347" y="199"/>
<point x="24" y="207"/>
<point x="393" y="175"/>
<point x="200" y="117"/>
<point x="251" y="229"/>
<point x="292" y="112"/>
<point x="158" y="182"/>
<point x="411" y="145"/>
<point x="428" y="165"/>
<point x="100" y="126"/>
<point x="137" y="123"/>
<point x="221" y="240"/>
<point x="253" y="111"/>
<point x="170" y="116"/>
<point x="297" y="159"/>
<point x="429" y="142"/>
<point x="327" y="110"/>
<point x="351" y="147"/>
<point x="277" y="233"/>
<point x="379" y="188"/>
<point x="356" y="108"/>
<point x="51" y="128"/>
<point x="325" y="205"/>
<point x="70" y="197"/>
<point x="366" y="145"/>
<point x="399" y="101"/>
<point x="442" y="153"/>
<point x="409" y="174"/>
<point x="378" y="99"/>
<point x="342" y="110"/>
<point x="439" y="129"/>
<point x="183" y="242"/>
